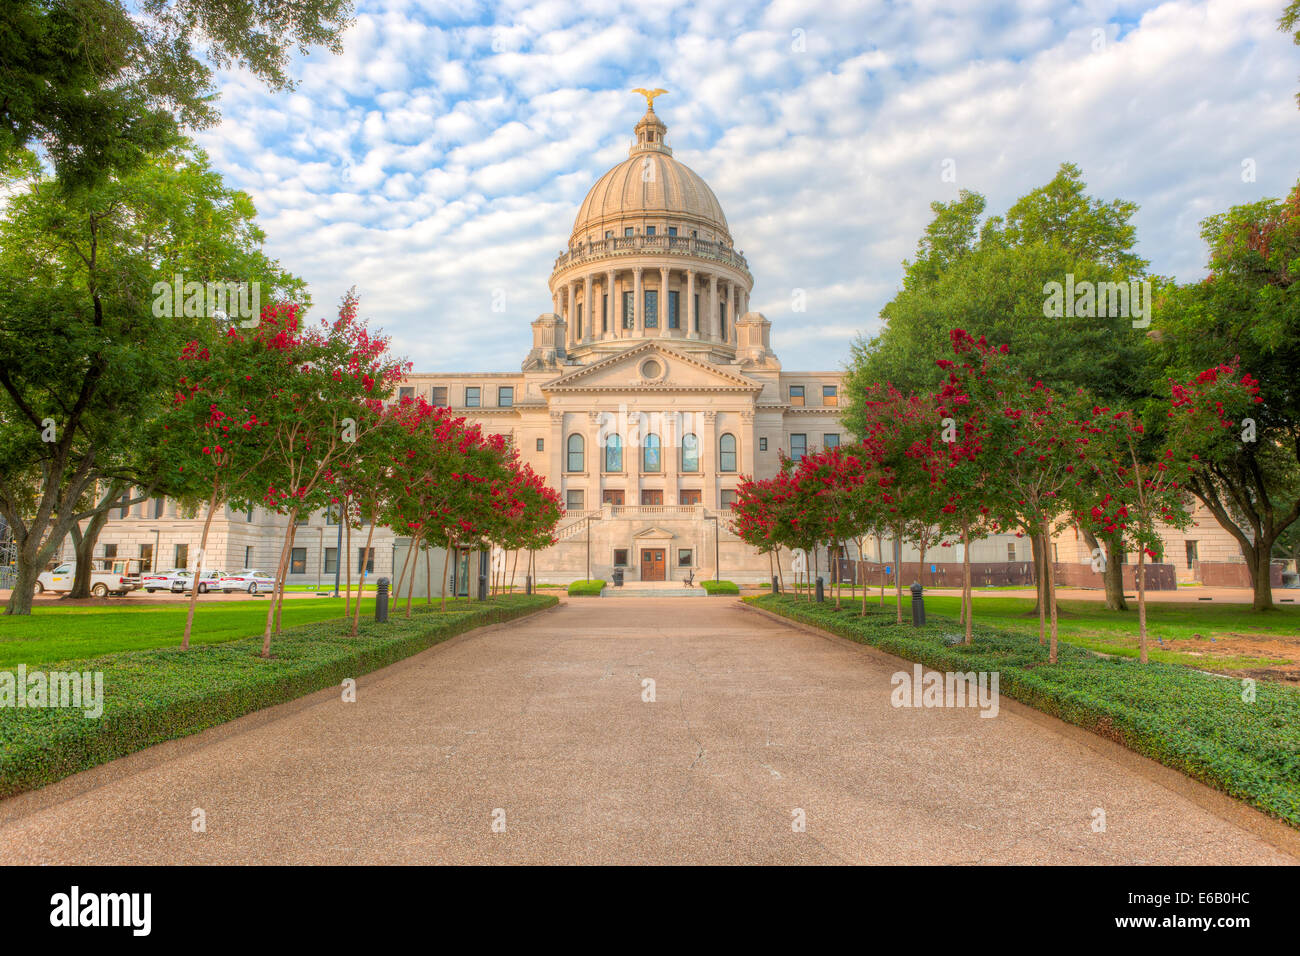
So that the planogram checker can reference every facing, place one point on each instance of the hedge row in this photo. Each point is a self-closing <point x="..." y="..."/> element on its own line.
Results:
<point x="586" y="588"/>
<point x="158" y="695"/>
<point x="719" y="587"/>
<point x="1195" y="722"/>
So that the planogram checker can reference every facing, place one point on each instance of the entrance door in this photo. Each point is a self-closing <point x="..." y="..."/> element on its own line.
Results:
<point x="653" y="564"/>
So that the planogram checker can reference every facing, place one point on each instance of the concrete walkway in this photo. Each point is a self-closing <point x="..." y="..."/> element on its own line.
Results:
<point x="541" y="725"/>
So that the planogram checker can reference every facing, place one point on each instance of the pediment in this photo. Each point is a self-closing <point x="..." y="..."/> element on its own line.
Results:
<point x="654" y="534"/>
<point x="651" y="366"/>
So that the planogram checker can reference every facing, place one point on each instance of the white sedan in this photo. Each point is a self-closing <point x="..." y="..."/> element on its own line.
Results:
<point x="209" y="581"/>
<point x="249" y="580"/>
<point x="161" y="580"/>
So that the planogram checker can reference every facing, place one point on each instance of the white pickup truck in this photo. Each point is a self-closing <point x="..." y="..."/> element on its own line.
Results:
<point x="118" y="576"/>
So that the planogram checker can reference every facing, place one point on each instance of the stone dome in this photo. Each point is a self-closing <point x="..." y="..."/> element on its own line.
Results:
<point x="650" y="185"/>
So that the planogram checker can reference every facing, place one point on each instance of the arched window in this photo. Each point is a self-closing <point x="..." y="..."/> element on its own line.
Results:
<point x="650" y="453"/>
<point x="690" y="452"/>
<point x="727" y="452"/>
<point x="575" y="453"/>
<point x="613" y="453"/>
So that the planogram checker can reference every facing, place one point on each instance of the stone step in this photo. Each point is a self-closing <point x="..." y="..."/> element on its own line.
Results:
<point x="642" y="592"/>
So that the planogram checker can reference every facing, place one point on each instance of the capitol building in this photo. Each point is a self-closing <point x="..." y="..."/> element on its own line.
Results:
<point x="648" y="391"/>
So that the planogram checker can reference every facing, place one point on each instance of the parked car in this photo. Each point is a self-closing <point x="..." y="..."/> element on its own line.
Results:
<point x="209" y="581"/>
<point x="160" y="580"/>
<point x="117" y="576"/>
<point x="249" y="580"/>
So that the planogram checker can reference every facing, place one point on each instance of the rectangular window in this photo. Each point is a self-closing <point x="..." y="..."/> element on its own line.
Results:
<point x="248" y="516"/>
<point x="110" y="552"/>
<point x="609" y="233"/>
<point x="574" y="499"/>
<point x="722" y="321"/>
<point x="798" y="446"/>
<point x="684" y="557"/>
<point x="438" y="395"/>
<point x="831" y="440"/>
<point x="123" y="508"/>
<point x="1011" y="551"/>
<point x="541" y="444"/>
<point x="158" y="504"/>
<point x="146" y="557"/>
<point x="689" y="496"/>
<point x="405" y="392"/>
<point x="672" y="230"/>
<point x="1191" y="553"/>
<point x="1056" y="553"/>
<point x="728" y="498"/>
<point x="651" y="308"/>
<point x="331" y="560"/>
<point x="604" y="313"/>
<point x="620" y="557"/>
<point x="762" y="444"/>
<point x="629" y="307"/>
<point x="649" y="230"/>
<point x="674" y="320"/>
<point x="830" y="395"/>
<point x="652" y="496"/>
<point x="181" y="556"/>
<point x="796" y="394"/>
<point x="506" y="396"/>
<point x="471" y="396"/>
<point x="612" y="496"/>
<point x="627" y="232"/>
<point x="365" y="560"/>
<point x="332" y="515"/>
<point x="298" y="561"/>
<point x="697" y="314"/>
<point x="248" y="556"/>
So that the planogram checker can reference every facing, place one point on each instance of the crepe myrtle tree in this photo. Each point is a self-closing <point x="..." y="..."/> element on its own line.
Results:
<point x="753" y="518"/>
<point x="1142" y="487"/>
<point x="838" y="485"/>
<point x="1212" y="422"/>
<point x="532" y="525"/>
<point x="1038" y="440"/>
<point x="324" y="377"/>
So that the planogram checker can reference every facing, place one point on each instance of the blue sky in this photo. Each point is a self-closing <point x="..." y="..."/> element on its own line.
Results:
<point x="439" y="162"/>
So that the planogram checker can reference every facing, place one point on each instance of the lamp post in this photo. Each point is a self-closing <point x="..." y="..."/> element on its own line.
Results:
<point x="717" y="571"/>
<point x="338" y="552"/>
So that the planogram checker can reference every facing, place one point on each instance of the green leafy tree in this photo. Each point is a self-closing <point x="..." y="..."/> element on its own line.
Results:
<point x="100" y="85"/>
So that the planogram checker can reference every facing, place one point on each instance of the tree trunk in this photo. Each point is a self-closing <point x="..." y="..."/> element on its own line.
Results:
<point x="1142" y="603"/>
<point x="347" y="561"/>
<point x="1049" y="593"/>
<point x="835" y="570"/>
<point x="284" y="581"/>
<point x="1036" y="547"/>
<point x="513" y="568"/>
<point x="20" y="598"/>
<point x="84" y="548"/>
<point x="428" y="578"/>
<point x="203" y="545"/>
<point x="281" y="568"/>
<point x="898" y="571"/>
<point x="361" y="583"/>
<point x="446" y="557"/>
<point x="968" y="597"/>
<point x="1259" y="579"/>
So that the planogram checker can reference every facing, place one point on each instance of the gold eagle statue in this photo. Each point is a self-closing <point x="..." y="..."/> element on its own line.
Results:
<point x="650" y="96"/>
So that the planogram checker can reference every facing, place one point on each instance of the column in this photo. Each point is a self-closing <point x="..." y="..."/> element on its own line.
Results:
<point x="595" y="460"/>
<point x="638" y="303"/>
<point x="730" y="322"/>
<point x="632" y="461"/>
<point x="588" y="317"/>
<point x="611" y="307"/>
<point x="690" y="305"/>
<point x="663" y="300"/>
<point x="712" y="327"/>
<point x="557" y="451"/>
<point x="571" y="330"/>
<point x="672" y="456"/>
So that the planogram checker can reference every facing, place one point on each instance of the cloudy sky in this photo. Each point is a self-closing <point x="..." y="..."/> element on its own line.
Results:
<point x="439" y="162"/>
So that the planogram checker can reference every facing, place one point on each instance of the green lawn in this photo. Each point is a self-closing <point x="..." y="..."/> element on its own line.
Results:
<point x="68" y="633"/>
<point x="1088" y="624"/>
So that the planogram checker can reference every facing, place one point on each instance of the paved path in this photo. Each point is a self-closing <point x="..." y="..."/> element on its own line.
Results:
<point x="544" y="719"/>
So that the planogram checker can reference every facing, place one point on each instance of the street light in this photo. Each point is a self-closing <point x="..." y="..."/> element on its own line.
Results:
<point x="717" y="571"/>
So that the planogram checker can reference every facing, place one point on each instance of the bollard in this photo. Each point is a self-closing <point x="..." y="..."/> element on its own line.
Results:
<point x="776" y="585"/>
<point x="528" y="584"/>
<point x="482" y="579"/>
<point x="918" y="606"/>
<point x="821" y="593"/>
<point x="381" y="600"/>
